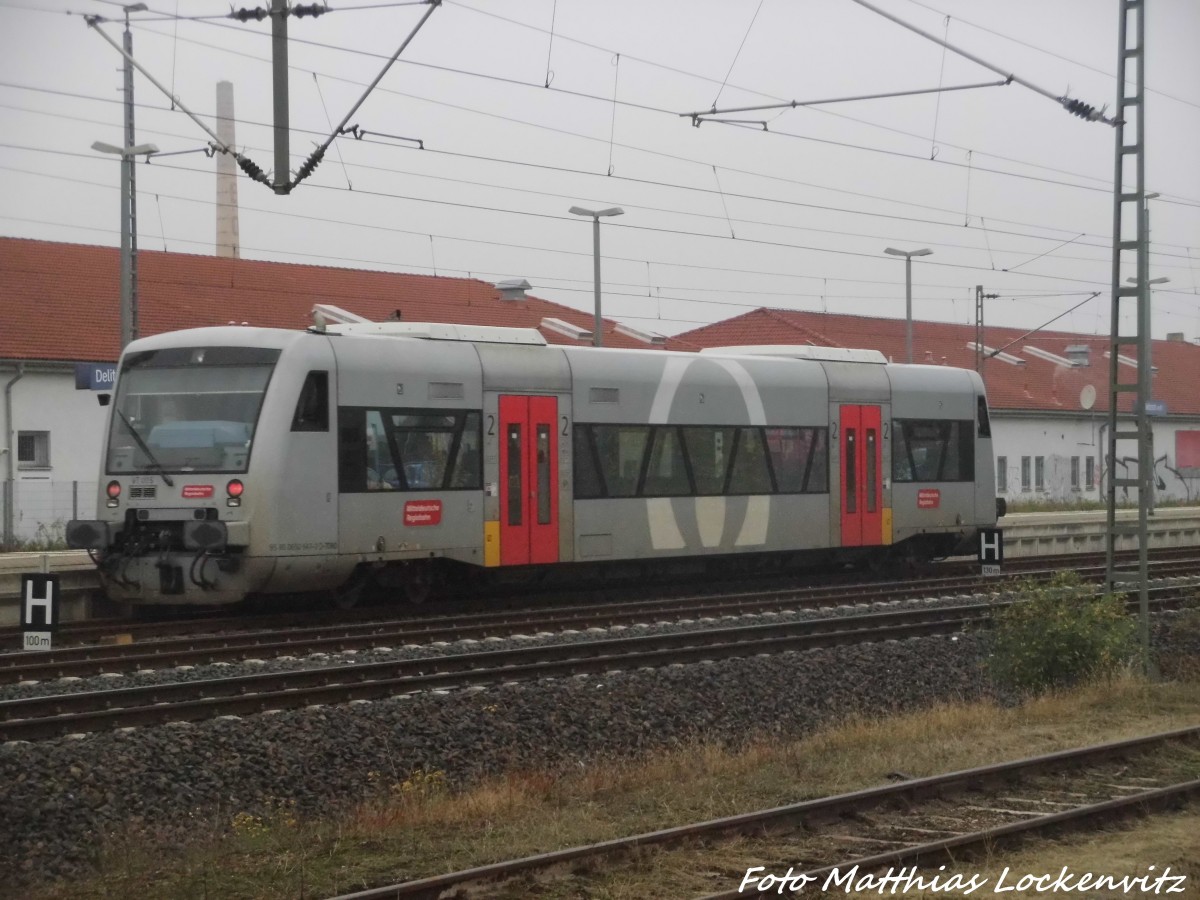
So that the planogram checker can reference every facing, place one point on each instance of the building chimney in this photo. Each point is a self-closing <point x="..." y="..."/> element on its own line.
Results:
<point x="228" y="243"/>
<point x="1175" y="336"/>
<point x="1079" y="354"/>
<point x="513" y="288"/>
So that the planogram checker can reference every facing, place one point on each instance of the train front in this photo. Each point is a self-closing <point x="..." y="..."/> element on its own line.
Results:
<point x="173" y="521"/>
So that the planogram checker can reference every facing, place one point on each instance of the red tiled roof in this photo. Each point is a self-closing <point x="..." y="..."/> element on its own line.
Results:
<point x="1039" y="384"/>
<point x="61" y="301"/>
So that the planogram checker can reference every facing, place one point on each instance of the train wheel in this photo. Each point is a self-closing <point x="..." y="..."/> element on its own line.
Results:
<point x="348" y="595"/>
<point x="418" y="583"/>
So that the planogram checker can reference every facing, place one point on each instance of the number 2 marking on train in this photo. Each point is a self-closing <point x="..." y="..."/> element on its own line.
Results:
<point x="491" y="424"/>
<point x="564" y="431"/>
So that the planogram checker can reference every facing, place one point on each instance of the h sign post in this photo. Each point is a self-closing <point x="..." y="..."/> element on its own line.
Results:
<point x="39" y="610"/>
<point x="991" y="550"/>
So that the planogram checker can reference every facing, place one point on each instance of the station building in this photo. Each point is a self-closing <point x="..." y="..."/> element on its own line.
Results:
<point x="60" y="340"/>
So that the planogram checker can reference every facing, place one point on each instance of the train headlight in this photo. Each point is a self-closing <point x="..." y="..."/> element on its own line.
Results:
<point x="234" y="489"/>
<point x="114" y="493"/>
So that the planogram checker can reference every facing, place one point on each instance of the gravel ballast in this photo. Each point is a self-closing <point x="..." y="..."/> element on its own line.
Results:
<point x="61" y="796"/>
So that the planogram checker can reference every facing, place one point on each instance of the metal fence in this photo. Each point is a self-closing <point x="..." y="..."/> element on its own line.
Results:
<point x="35" y="513"/>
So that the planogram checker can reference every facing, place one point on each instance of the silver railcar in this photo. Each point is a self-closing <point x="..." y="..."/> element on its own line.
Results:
<point x="244" y="461"/>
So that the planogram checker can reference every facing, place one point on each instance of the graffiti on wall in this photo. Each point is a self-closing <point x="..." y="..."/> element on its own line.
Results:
<point x="1169" y="481"/>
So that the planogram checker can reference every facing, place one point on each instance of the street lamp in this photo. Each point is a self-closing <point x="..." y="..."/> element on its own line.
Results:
<point x="129" y="312"/>
<point x="595" y="215"/>
<point x="908" y="255"/>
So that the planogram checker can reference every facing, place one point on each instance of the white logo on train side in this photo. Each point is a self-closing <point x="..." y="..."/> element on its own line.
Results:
<point x="710" y="512"/>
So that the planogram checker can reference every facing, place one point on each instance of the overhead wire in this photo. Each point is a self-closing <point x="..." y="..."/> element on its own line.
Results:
<point x="681" y="232"/>
<point x="634" y="105"/>
<point x="653" y="229"/>
<point x="1105" y="240"/>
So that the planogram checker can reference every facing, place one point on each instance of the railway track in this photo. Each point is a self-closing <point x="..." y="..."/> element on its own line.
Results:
<point x="201" y="649"/>
<point x="221" y="627"/>
<point x="916" y="822"/>
<point x="40" y="717"/>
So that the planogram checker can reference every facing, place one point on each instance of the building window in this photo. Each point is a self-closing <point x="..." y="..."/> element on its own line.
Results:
<point x="1025" y="474"/>
<point x="1074" y="473"/>
<point x="33" y="449"/>
<point x="1001" y="474"/>
<point x="1090" y="473"/>
<point x="1039" y="473"/>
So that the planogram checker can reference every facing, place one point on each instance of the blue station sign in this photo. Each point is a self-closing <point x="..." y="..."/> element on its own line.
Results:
<point x="95" y="376"/>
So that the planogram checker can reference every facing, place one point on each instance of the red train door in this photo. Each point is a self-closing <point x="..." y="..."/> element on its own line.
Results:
<point x="528" y="478"/>
<point x="861" y="450"/>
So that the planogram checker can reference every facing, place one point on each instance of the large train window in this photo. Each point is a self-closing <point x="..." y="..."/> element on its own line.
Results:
<point x="933" y="450"/>
<point x="708" y="451"/>
<point x="799" y="459"/>
<point x="408" y="450"/>
<point x="751" y="469"/>
<point x="677" y="461"/>
<point x="666" y="475"/>
<point x="608" y="459"/>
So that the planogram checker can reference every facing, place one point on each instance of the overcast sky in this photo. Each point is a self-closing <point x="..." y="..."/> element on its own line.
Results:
<point x="719" y="219"/>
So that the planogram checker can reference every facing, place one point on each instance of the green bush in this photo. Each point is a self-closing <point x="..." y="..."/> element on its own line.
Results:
<point x="1059" y="633"/>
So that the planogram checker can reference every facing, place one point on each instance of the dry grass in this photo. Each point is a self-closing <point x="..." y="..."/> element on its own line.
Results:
<point x="417" y="825"/>
<point x="1165" y="842"/>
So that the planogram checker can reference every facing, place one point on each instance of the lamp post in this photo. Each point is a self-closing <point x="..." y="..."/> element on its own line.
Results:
<point x="595" y="216"/>
<point x="908" y="255"/>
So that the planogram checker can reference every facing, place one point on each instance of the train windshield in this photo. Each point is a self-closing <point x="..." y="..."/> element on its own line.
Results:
<point x="191" y="409"/>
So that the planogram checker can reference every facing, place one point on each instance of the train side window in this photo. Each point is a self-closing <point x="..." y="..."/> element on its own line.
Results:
<point x="816" y="470"/>
<point x="985" y="422"/>
<point x="353" y="455"/>
<point x="933" y="450"/>
<point x="515" y="464"/>
<point x="588" y="485"/>
<point x="466" y="473"/>
<point x="619" y="452"/>
<point x="850" y="473"/>
<point x="542" y="449"/>
<point x="872" y="445"/>
<point x="751" y="472"/>
<point x="408" y="449"/>
<point x="382" y="474"/>
<point x="799" y="459"/>
<point x="708" y="451"/>
<point x="667" y="474"/>
<point x="312" y="409"/>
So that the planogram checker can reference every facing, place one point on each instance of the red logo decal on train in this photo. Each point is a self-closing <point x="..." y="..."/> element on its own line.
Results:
<point x="423" y="512"/>
<point x="196" y="491"/>
<point x="929" y="498"/>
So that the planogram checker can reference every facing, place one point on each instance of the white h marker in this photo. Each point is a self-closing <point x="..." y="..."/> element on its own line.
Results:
<point x="45" y="602"/>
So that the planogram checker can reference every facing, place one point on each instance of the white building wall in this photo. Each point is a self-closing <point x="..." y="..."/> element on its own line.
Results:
<point x="1056" y="441"/>
<point x="45" y="498"/>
